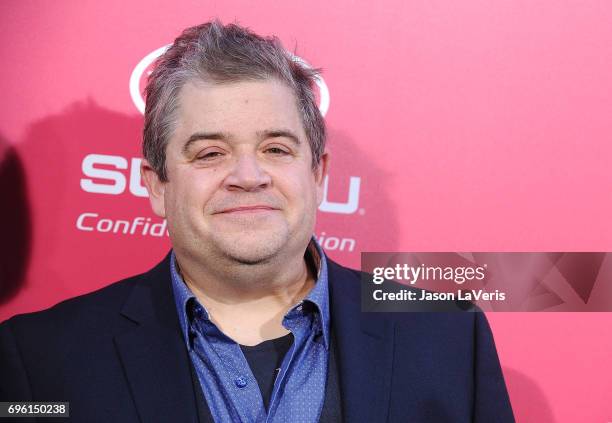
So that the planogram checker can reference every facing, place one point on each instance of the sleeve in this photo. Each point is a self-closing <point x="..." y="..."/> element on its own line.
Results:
<point x="491" y="400"/>
<point x="14" y="384"/>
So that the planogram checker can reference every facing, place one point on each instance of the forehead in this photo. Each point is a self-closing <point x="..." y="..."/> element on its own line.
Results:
<point x="242" y="105"/>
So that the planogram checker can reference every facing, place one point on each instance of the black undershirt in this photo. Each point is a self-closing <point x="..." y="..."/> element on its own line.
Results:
<point x="265" y="360"/>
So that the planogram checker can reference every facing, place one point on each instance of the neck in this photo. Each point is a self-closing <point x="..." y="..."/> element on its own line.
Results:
<point x="263" y="292"/>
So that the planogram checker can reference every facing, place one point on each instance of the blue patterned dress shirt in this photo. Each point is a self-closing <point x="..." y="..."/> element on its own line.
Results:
<point x="230" y="389"/>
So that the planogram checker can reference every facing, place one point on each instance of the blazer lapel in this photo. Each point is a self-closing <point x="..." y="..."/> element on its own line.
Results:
<point x="365" y="350"/>
<point x="153" y="353"/>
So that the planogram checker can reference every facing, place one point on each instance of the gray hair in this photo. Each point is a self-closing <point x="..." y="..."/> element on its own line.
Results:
<point x="221" y="54"/>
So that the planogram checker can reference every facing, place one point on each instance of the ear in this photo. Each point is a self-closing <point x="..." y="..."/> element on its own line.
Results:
<point x="155" y="187"/>
<point x="320" y="175"/>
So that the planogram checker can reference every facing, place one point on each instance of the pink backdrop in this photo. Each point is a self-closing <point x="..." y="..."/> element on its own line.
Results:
<point x="463" y="126"/>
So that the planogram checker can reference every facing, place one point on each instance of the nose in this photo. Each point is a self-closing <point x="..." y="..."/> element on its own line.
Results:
<point x="247" y="174"/>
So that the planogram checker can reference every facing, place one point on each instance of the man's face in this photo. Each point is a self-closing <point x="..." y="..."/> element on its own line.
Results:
<point x="240" y="179"/>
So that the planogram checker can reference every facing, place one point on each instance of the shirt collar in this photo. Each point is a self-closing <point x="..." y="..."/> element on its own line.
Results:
<point x="182" y="297"/>
<point x="318" y="295"/>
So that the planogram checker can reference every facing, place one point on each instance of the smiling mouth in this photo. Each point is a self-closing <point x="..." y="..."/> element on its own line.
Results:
<point x="247" y="209"/>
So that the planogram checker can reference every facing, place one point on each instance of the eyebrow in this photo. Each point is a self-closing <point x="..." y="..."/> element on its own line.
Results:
<point x="223" y="136"/>
<point x="277" y="133"/>
<point x="197" y="136"/>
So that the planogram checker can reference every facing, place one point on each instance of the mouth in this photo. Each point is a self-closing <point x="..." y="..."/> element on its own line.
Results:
<point x="247" y="209"/>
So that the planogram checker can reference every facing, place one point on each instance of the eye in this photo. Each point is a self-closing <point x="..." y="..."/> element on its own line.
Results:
<point x="275" y="150"/>
<point x="209" y="155"/>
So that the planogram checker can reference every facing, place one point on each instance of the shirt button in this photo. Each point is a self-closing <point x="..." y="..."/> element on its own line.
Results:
<point x="241" y="381"/>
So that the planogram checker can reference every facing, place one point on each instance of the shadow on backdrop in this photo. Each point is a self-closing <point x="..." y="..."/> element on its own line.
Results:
<point x="42" y="199"/>
<point x="15" y="223"/>
<point x="374" y="225"/>
<point x="529" y="402"/>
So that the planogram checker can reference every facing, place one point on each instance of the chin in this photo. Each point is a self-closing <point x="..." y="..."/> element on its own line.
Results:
<point x="253" y="247"/>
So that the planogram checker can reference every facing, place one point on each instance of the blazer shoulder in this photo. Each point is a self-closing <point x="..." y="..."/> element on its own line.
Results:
<point x="343" y="273"/>
<point x="353" y="284"/>
<point x="102" y="301"/>
<point x="95" y="305"/>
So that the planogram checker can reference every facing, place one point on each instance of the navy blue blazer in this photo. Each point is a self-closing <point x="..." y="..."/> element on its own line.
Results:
<point x="117" y="355"/>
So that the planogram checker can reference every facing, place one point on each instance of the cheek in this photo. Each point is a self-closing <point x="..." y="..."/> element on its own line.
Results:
<point x="302" y="192"/>
<point x="183" y="195"/>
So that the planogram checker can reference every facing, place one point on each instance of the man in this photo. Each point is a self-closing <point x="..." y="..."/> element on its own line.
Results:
<point x="245" y="320"/>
